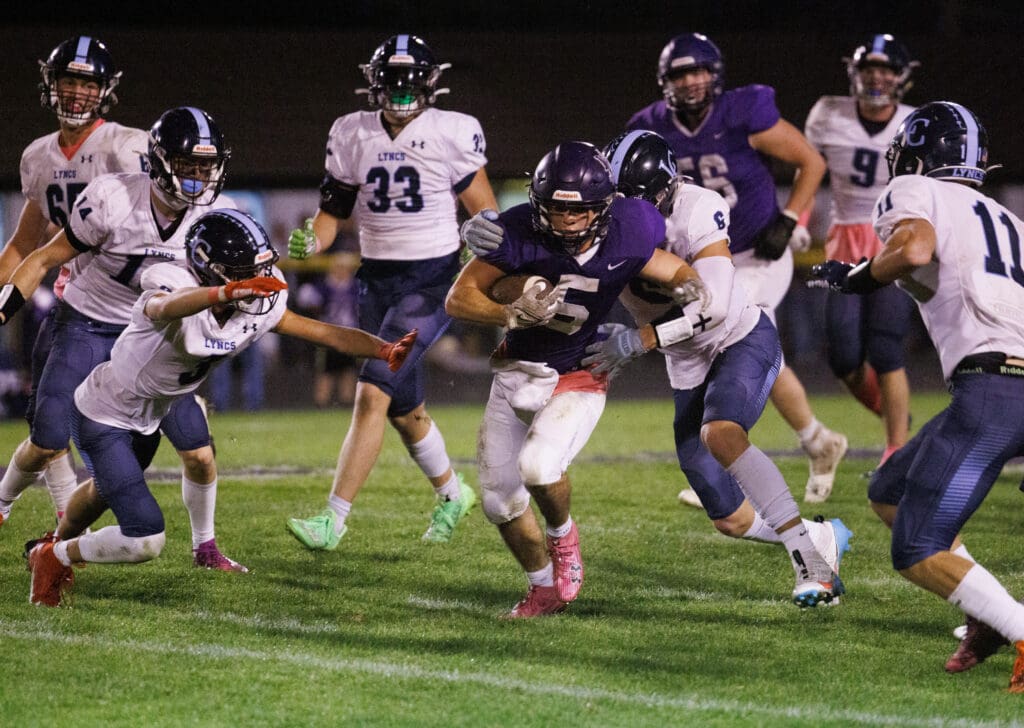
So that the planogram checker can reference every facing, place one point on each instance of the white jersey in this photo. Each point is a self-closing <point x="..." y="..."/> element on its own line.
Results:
<point x="53" y="177"/>
<point x="971" y="295"/>
<point x="699" y="218"/>
<point x="406" y="202"/>
<point x="856" y="160"/>
<point x="113" y="225"/>
<point x="154" y="362"/>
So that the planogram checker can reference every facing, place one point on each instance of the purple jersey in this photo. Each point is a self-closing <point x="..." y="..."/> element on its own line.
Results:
<point x="592" y="286"/>
<point x="719" y="157"/>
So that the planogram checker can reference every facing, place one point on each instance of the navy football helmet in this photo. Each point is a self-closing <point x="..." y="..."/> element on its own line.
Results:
<point x="644" y="166"/>
<point x="880" y="50"/>
<point x="572" y="177"/>
<point x="403" y="76"/>
<point x="187" y="157"/>
<point x="943" y="140"/>
<point x="227" y="245"/>
<point x="82" y="57"/>
<point x="685" y="53"/>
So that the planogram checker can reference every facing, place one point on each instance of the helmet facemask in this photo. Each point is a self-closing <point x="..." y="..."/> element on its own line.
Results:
<point x="570" y="241"/>
<point x="402" y="77"/>
<point x="202" y="257"/>
<point x="690" y="98"/>
<point x="83" y="59"/>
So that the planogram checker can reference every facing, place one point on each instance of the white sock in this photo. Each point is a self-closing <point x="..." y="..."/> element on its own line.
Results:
<point x="764" y="486"/>
<point x="981" y="596"/>
<point x="761" y="531"/>
<point x="560" y="531"/>
<point x="341" y="508"/>
<point x="962" y="552"/>
<point x="12" y="484"/>
<point x="450" y="489"/>
<point x="60" y="550"/>
<point x="543" y="577"/>
<point x="430" y="453"/>
<point x="110" y="546"/>
<point x="200" y="502"/>
<point x="807" y="434"/>
<point x="61" y="481"/>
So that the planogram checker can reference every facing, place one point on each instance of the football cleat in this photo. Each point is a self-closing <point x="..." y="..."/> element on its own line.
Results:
<point x="978" y="644"/>
<point x="1017" y="678"/>
<point x="538" y="602"/>
<point x="567" y="563"/>
<point x="447" y="513"/>
<point x="960" y="632"/>
<point x="689" y="497"/>
<point x="208" y="556"/>
<point x="812" y="593"/>
<point x="832" y="542"/>
<point x="824" y="451"/>
<point x="317" y="533"/>
<point x="51" y="580"/>
<point x="2" y="519"/>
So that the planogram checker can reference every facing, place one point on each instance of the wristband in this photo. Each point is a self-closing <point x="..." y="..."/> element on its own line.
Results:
<point x="673" y="331"/>
<point x="791" y="215"/>
<point x="11" y="301"/>
<point x="216" y="295"/>
<point x="859" y="280"/>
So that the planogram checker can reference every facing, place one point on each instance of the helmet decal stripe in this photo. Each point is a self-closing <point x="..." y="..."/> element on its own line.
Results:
<point x="247" y="222"/>
<point x="82" y="50"/>
<point x="202" y="127"/>
<point x="402" y="45"/>
<point x="619" y="156"/>
<point x="878" y="44"/>
<point x="971" y="133"/>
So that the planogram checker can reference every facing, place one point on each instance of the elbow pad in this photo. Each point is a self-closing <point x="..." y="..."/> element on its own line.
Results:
<point x="718" y="274"/>
<point x="336" y="198"/>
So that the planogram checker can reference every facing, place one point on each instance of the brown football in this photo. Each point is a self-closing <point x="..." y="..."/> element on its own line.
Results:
<point x="509" y="288"/>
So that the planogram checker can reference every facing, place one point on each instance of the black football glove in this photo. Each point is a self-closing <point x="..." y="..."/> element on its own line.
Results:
<point x="844" y="277"/>
<point x="774" y="239"/>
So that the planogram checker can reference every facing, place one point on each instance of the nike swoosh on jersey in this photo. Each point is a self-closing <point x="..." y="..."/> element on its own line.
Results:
<point x="613" y="267"/>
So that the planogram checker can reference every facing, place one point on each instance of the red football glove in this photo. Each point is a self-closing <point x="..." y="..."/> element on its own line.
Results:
<point x="396" y="352"/>
<point x="258" y="287"/>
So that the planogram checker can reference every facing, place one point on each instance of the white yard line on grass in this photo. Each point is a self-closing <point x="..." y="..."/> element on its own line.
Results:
<point x="392" y="670"/>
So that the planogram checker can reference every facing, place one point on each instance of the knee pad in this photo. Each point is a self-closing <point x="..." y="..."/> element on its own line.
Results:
<point x="885" y="351"/>
<point x="539" y="463"/>
<point x="501" y="506"/>
<point x="110" y="545"/>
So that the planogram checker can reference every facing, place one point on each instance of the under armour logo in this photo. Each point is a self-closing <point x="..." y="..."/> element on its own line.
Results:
<point x="248" y="327"/>
<point x="420" y="143"/>
<point x="86" y="158"/>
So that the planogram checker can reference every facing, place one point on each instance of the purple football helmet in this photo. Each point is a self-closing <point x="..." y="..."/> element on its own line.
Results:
<point x="685" y="53"/>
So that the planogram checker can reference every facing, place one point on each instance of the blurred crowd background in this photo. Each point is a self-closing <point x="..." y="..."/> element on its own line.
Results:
<point x="534" y="73"/>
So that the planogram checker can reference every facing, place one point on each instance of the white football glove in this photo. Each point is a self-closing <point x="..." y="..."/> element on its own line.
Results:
<point x="800" y="241"/>
<point x="622" y="346"/>
<point x="690" y="291"/>
<point x="532" y="310"/>
<point x="482" y="233"/>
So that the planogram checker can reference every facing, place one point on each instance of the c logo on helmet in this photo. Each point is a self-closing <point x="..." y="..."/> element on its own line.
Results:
<point x="916" y="132"/>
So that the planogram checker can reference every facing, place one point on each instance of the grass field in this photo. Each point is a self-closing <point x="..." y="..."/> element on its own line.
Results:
<point x="676" y="625"/>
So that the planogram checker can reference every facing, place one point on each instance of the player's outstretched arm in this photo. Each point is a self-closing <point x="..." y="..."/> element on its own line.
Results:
<point x="189" y="301"/>
<point x="32" y="226"/>
<point x="347" y="340"/>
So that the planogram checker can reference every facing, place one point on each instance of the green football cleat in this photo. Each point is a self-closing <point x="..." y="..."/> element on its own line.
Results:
<point x="447" y="513"/>
<point x="317" y="533"/>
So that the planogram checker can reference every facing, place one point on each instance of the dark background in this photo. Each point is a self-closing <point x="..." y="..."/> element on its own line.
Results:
<point x="534" y="73"/>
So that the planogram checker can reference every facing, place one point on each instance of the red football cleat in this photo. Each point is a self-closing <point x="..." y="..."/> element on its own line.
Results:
<point x="1017" y="678"/>
<point x="979" y="644"/>
<point x="208" y="556"/>
<point x="50" y="578"/>
<point x="538" y="602"/>
<point x="567" y="563"/>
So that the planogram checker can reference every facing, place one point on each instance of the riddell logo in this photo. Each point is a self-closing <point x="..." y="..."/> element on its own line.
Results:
<point x="567" y="196"/>
<point x="80" y="67"/>
<point x="204" y="149"/>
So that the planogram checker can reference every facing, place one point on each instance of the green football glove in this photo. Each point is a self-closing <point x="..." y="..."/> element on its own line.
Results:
<point x="302" y="241"/>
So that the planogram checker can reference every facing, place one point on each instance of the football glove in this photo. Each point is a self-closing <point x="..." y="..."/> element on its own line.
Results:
<point x="800" y="241"/>
<point x="533" y="310"/>
<point x="622" y="346"/>
<point x="845" y="277"/>
<point x="302" y="241"/>
<point x="258" y="287"/>
<point x="482" y="233"/>
<point x="690" y="291"/>
<point x="396" y="352"/>
<point x="773" y="240"/>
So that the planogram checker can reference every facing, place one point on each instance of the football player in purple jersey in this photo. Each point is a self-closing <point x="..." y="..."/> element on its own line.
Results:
<point x="723" y="139"/>
<point x="544" y="403"/>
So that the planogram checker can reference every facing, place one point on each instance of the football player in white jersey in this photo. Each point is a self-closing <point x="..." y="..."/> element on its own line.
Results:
<point x="120" y="225"/>
<point x="186" y="321"/>
<point x="78" y="82"/>
<point x="403" y="167"/>
<point x="957" y="253"/>
<point x="721" y="364"/>
<point x="865" y="334"/>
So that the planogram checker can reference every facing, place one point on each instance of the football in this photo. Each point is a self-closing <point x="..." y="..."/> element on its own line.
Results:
<point x="509" y="288"/>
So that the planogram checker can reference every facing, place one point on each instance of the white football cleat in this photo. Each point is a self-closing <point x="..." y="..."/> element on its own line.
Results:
<point x="689" y="497"/>
<point x="824" y="451"/>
